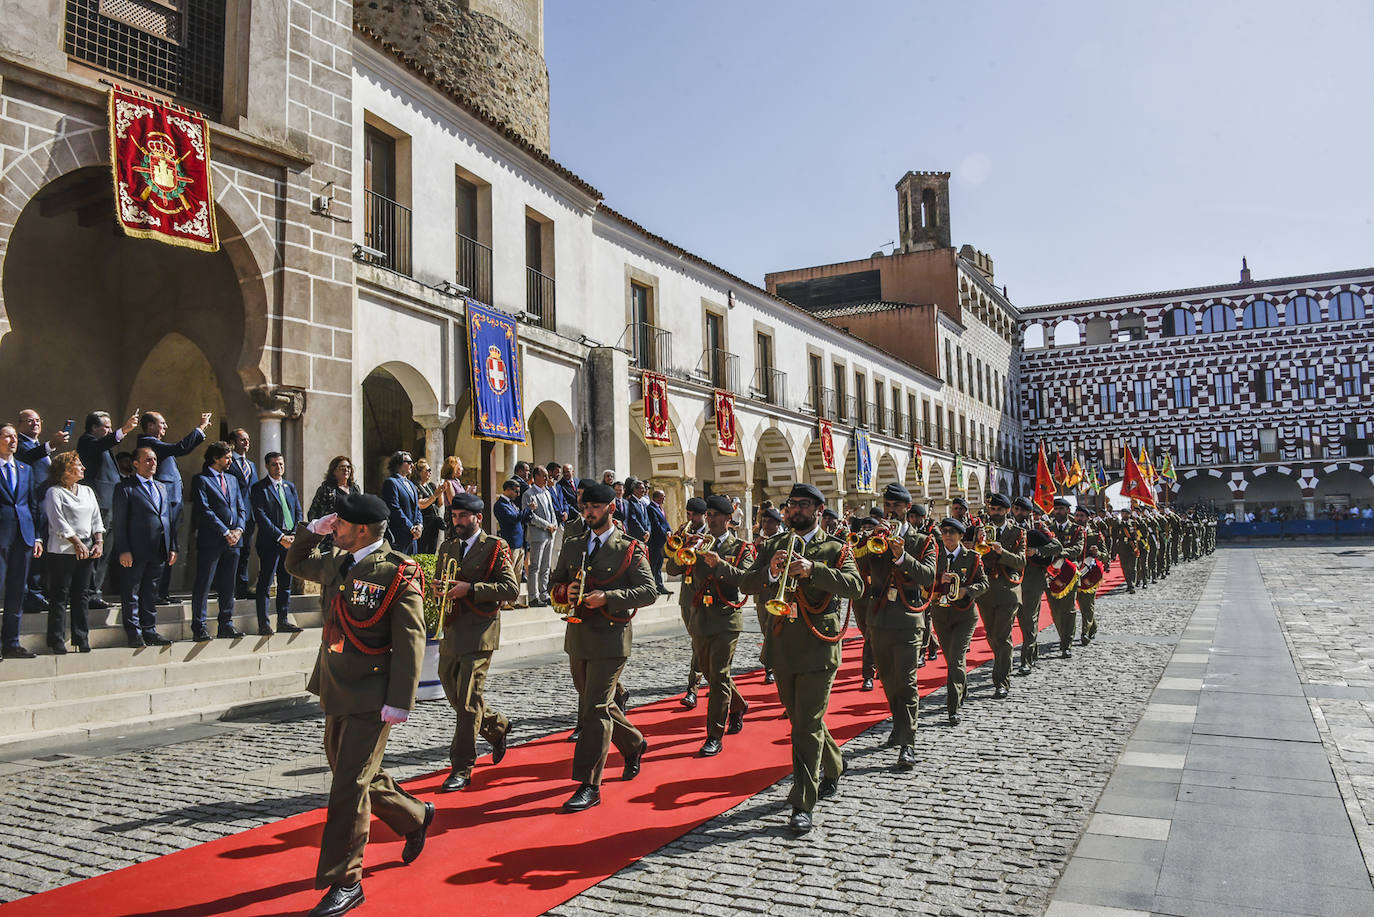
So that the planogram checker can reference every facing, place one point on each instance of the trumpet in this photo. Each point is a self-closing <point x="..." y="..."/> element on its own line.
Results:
<point x="559" y="596"/>
<point x="686" y="554"/>
<point x="778" y="605"/>
<point x="948" y="591"/>
<point x="878" y="542"/>
<point x="987" y="534"/>
<point x="445" y="581"/>
<point x="675" y="541"/>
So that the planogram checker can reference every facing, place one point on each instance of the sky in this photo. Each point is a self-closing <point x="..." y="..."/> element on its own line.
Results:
<point x="1097" y="149"/>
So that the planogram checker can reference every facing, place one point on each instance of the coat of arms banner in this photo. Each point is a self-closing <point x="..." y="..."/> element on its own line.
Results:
<point x="656" y="430"/>
<point x="498" y="411"/>
<point x="160" y="156"/>
<point x="827" y="437"/>
<point x="725" y="423"/>
<point x="863" y="463"/>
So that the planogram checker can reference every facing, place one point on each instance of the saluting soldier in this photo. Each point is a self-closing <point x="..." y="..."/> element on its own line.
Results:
<point x="366" y="675"/>
<point x="770" y="522"/>
<point x="696" y="525"/>
<point x="616" y="582"/>
<point x="484" y="579"/>
<point x="896" y="615"/>
<point x="951" y="608"/>
<point x="715" y="622"/>
<point x="805" y="646"/>
<point x="1005" y="564"/>
<point x="1096" y="552"/>
<point x="1039" y="552"/>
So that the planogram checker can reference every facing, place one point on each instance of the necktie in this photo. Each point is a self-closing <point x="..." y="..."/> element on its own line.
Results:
<point x="152" y="493"/>
<point x="287" y="521"/>
<point x="9" y="476"/>
<point x="346" y="566"/>
<point x="462" y="550"/>
<point x="224" y="485"/>
<point x="593" y="547"/>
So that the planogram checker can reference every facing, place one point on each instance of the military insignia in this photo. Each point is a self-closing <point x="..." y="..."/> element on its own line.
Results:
<point x="367" y="595"/>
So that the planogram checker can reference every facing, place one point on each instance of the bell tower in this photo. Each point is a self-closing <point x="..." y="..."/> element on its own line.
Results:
<point x="923" y="211"/>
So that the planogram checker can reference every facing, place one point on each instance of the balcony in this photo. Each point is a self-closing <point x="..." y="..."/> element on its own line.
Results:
<point x="821" y="402"/>
<point x="650" y="346"/>
<point x="849" y="408"/>
<point x="868" y="415"/>
<point x="539" y="300"/>
<point x="386" y="229"/>
<point x="473" y="269"/>
<point x="720" y="368"/>
<point x="770" y="386"/>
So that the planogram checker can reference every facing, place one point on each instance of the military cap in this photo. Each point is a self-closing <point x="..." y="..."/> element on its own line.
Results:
<point x="803" y="491"/>
<point x="830" y="512"/>
<point x="954" y="525"/>
<point x="467" y="502"/>
<point x="919" y="509"/>
<point x="1036" y="539"/>
<point x="721" y="504"/>
<point x="1082" y="509"/>
<point x="599" y="493"/>
<point x="1024" y="503"/>
<point x="361" y="509"/>
<point x="959" y="501"/>
<point x="1062" y="501"/>
<point x="895" y="491"/>
<point x="999" y="500"/>
<point x="771" y="513"/>
<point x="696" y="505"/>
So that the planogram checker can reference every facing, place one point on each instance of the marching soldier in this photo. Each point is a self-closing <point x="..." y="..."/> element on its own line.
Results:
<point x="959" y="580"/>
<point x="1039" y="554"/>
<point x="1004" y="563"/>
<point x="896" y="615"/>
<point x="1096" y="552"/>
<point x="770" y="522"/>
<point x="958" y="509"/>
<point x="715" y="623"/>
<point x="1128" y="548"/>
<point x="482" y="578"/>
<point x="861" y="526"/>
<point x="696" y="525"/>
<point x="366" y="675"/>
<point x="1070" y="537"/>
<point x="805" y="646"/>
<point x="615" y="581"/>
<point x="919" y="519"/>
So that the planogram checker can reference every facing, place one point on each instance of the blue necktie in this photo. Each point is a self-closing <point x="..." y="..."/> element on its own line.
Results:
<point x="9" y="476"/>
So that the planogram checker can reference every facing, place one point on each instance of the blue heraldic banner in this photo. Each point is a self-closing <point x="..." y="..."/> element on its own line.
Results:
<point x="498" y="411"/>
<point x="864" y="465"/>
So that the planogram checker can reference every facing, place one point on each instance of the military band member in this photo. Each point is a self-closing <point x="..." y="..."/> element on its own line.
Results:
<point x="366" y="675"/>
<point x="1096" y="551"/>
<point x="896" y="615"/>
<point x="715" y="623"/>
<point x="958" y="509"/>
<point x="770" y="523"/>
<point x="1070" y="537"/>
<point x="861" y="527"/>
<point x="952" y="612"/>
<point x="484" y="579"/>
<point x="805" y="648"/>
<point x="1127" y="548"/>
<point x="1004" y="563"/>
<point x="696" y="525"/>
<point x="1038" y="554"/>
<point x="616" y="582"/>
<point x="919" y="519"/>
<point x="830" y="523"/>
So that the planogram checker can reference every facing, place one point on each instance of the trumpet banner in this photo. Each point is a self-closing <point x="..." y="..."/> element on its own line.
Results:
<point x="726" y="444"/>
<point x="656" y="429"/>
<point x="827" y="438"/>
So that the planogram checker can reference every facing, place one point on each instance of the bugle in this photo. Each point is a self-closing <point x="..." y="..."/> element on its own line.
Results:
<point x="948" y="591"/>
<point x="446" y="580"/>
<point x="778" y="605"/>
<point x="687" y="554"/>
<point x="560" y="596"/>
<point x="987" y="535"/>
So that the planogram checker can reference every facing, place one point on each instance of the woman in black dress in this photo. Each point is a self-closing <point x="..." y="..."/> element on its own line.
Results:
<point x="338" y="481"/>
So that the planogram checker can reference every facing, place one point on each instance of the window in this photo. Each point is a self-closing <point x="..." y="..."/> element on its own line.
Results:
<point x="1356" y="440"/>
<point x="815" y="379"/>
<point x="1304" y="310"/>
<point x="1185" y="447"/>
<point x="940" y="426"/>
<point x="472" y="268"/>
<point x="1144" y="395"/>
<point x="1307" y="382"/>
<point x="1260" y="314"/>
<point x="1352" y="379"/>
<point x="949" y="362"/>
<point x="763" y="357"/>
<point x="1073" y="395"/>
<point x="1307" y="442"/>
<point x="1269" y="444"/>
<point x="959" y="365"/>
<point x="386" y="223"/>
<point x="1347" y="306"/>
<point x="878" y="405"/>
<point x="861" y="395"/>
<point x="982" y="390"/>
<point x="1178" y="322"/>
<point x="1224" y="388"/>
<point x="1106" y="397"/>
<point x="1183" y="391"/>
<point x="1264" y="386"/>
<point x="841" y="409"/>
<point x="1226" y="447"/>
<point x="925" y="421"/>
<point x="715" y="358"/>
<point x="1111" y="451"/>
<point x="642" y="337"/>
<point x="1218" y="318"/>
<point x="539" y="285"/>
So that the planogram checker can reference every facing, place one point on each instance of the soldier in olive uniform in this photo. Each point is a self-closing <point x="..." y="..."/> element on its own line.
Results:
<point x="770" y="522"/>
<point x="805" y="647"/>
<point x="951" y="609"/>
<point x="1004" y="563"/>
<point x="366" y="675"/>
<point x="1069" y="534"/>
<point x="616" y="583"/>
<point x="919" y="519"/>
<point x="472" y="632"/>
<point x="715" y="623"/>
<point x="1096" y="551"/>
<point x="696" y="525"/>
<point x="1128" y="548"/>
<point x="896" y="615"/>
<point x="1032" y="582"/>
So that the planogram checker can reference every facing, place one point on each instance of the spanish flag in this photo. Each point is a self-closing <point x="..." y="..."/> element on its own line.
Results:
<point x="1134" y="483"/>
<point x="1044" y="483"/>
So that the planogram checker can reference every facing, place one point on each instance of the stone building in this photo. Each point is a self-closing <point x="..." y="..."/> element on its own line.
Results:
<point x="1258" y="390"/>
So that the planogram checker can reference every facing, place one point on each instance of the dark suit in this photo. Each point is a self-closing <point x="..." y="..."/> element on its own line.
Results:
<point x="402" y="498"/>
<point x="637" y="521"/>
<point x="272" y="525"/>
<point x="511" y="519"/>
<point x="18" y="529"/>
<point x="246" y="473"/>
<point x="142" y="527"/>
<point x="567" y="490"/>
<point x="102" y="476"/>
<point x="658" y="537"/>
<point x="217" y="506"/>
<point x="34" y="453"/>
<point x="168" y="473"/>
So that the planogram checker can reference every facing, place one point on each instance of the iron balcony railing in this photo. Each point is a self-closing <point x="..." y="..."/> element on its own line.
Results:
<point x="821" y="402"/>
<point x="721" y="367"/>
<point x="770" y="385"/>
<point x="539" y="298"/>
<point x="473" y="269"/>
<point x="650" y="346"/>
<point x="386" y="229"/>
<point x="849" y="409"/>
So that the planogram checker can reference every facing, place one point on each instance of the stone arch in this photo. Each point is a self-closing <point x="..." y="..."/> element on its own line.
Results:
<point x="1067" y="333"/>
<point x="915" y="484"/>
<point x="775" y="470"/>
<point x="885" y="472"/>
<point x="937" y="484"/>
<point x="1277" y="487"/>
<point x="1033" y="337"/>
<point x="1099" y="330"/>
<point x="973" y="489"/>
<point x="665" y="466"/>
<point x="1203" y="488"/>
<point x="716" y="473"/>
<point x="1341" y="486"/>
<point x="393" y="395"/>
<point x="813" y="471"/>
<point x="549" y="435"/>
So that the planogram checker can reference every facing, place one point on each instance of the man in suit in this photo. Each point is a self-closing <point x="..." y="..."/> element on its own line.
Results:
<point x="153" y="427"/>
<point x="19" y="541"/>
<point x="616" y="583"/>
<point x="404" y="523"/>
<point x="1005" y="564"/>
<point x="567" y="487"/>
<point x="658" y="537"/>
<point x="636" y="515"/>
<point x="219" y="514"/>
<point x="510" y="522"/>
<point x="952" y="611"/>
<point x="482" y="580"/>
<point x="555" y="489"/>
<point x="366" y="676"/>
<point x="38" y="455"/>
<point x="539" y="532"/>
<point x="147" y="542"/>
<point x="102" y="476"/>
<point x="246" y="473"/>
<point x="276" y="508"/>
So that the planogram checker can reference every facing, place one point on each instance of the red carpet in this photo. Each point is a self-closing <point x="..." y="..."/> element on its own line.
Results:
<point x="501" y="847"/>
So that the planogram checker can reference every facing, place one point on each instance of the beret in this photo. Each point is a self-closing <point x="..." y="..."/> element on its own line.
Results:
<point x="803" y="491"/>
<point x="1024" y="503"/>
<point x="771" y="513"/>
<point x="960" y="501"/>
<point x="468" y="502"/>
<point x="1062" y="501"/>
<point x="599" y="493"/>
<point x="361" y="509"/>
<point x="919" y="509"/>
<point x="949" y="522"/>
<point x="720" y="503"/>
<point x="1036" y="539"/>
<point x="1080" y="508"/>
<point x="895" y="491"/>
<point x="696" y="505"/>
<point x="999" y="500"/>
<point x="830" y="512"/>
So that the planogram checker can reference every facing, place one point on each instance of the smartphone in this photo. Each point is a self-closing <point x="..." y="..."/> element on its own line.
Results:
<point x="69" y="427"/>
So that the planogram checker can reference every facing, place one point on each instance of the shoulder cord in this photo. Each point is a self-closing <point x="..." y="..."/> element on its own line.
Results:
<point x="712" y="580"/>
<point x="997" y="571"/>
<point x="407" y="573"/>
<point x="606" y="613"/>
<point x="807" y="609"/>
<point x="470" y="604"/>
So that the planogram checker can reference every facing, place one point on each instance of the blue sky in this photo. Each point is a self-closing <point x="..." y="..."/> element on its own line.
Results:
<point x="1097" y="148"/>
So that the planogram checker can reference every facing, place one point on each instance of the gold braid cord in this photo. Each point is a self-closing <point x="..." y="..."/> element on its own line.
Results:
<point x="712" y="581"/>
<point x="407" y="573"/>
<point x="606" y="612"/>
<point x="807" y="609"/>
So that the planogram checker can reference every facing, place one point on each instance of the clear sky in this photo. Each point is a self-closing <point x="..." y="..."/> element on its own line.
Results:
<point x="1097" y="148"/>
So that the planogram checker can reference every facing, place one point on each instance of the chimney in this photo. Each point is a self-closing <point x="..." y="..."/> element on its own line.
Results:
<point x="1244" y="271"/>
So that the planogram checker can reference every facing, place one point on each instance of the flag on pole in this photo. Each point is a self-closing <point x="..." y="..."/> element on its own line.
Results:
<point x="1075" y="475"/>
<point x="1044" y="483"/>
<point x="1061" y="471"/>
<point x="1099" y="478"/>
<point x="1134" y="484"/>
<point x="1146" y="468"/>
<point x="1166" y="468"/>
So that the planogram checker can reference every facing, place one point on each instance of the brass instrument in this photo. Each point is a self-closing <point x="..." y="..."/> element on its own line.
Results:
<point x="778" y="604"/>
<point x="559" y="596"/>
<point x="949" y="591"/>
<point x="446" y="580"/>
<point x="686" y="555"/>
<point x="878" y="542"/>
<point x="983" y="541"/>
<point x="675" y="541"/>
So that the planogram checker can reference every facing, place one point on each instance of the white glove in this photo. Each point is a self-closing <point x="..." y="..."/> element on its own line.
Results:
<point x="393" y="716"/>
<point x="323" y="525"/>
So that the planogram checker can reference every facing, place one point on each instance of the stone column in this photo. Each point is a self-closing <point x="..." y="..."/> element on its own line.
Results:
<point x="1309" y="505"/>
<point x="1238" y="507"/>
<point x="608" y="378"/>
<point x="434" y="437"/>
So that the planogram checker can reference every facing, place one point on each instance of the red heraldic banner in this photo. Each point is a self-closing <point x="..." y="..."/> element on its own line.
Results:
<point x="725" y="424"/>
<point x="1134" y="484"/>
<point x="656" y="409"/>
<point x="1044" y="483"/>
<point x="827" y="447"/>
<point x="161" y="159"/>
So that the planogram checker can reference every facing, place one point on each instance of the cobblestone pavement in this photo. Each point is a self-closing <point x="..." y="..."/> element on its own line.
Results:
<point x="1325" y="602"/>
<point x="983" y="825"/>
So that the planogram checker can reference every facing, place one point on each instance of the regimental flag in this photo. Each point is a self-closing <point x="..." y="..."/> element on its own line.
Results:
<point x="827" y="438"/>
<point x="1044" y="483"/>
<point x="160" y="159"/>
<point x="1146" y="468"/>
<point x="1134" y="484"/>
<point x="726" y="443"/>
<point x="1061" y="471"/>
<point x="498" y="409"/>
<point x="1166" y="468"/>
<point x="1074" y="477"/>
<point x="920" y="461"/>
<point x="656" y="430"/>
<point x="1098" y="481"/>
<point x="863" y="463"/>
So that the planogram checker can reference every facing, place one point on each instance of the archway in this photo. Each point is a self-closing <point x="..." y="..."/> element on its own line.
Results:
<point x="716" y="473"/>
<point x="774" y="470"/>
<point x="1338" y="490"/>
<point x="915" y="485"/>
<point x="388" y="410"/>
<point x="1067" y="334"/>
<point x="1202" y="490"/>
<point x="886" y="472"/>
<point x="973" y="490"/>
<point x="937" y="488"/>
<point x="1275" y="491"/>
<point x="855" y="499"/>
<point x="814" y="473"/>
<point x="663" y="466"/>
<point x="549" y="436"/>
<point x="1033" y="338"/>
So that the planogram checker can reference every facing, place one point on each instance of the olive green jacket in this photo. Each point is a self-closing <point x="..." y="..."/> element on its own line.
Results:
<point x="473" y="624"/>
<point x="972" y="576"/>
<point x="885" y="582"/>
<point x="1011" y="563"/>
<point x="712" y="591"/>
<point x="598" y="636"/>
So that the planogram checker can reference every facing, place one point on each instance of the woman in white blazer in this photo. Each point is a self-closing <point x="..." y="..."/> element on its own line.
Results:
<point x="76" y="538"/>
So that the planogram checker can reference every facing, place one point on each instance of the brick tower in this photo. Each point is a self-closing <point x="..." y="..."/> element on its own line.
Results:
<point x="923" y="211"/>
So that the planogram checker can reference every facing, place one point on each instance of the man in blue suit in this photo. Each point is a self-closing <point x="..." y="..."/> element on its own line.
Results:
<point x="102" y="476"/>
<point x="37" y="455"/>
<point x="242" y="468"/>
<point x="218" y="514"/>
<point x="19" y="542"/>
<point x="276" y="510"/>
<point x="659" y="530"/>
<point x="404" y="525"/>
<point x="510" y="523"/>
<point x="636" y="514"/>
<point x="147" y="543"/>
<point x="153" y="427"/>
<point x="567" y="488"/>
